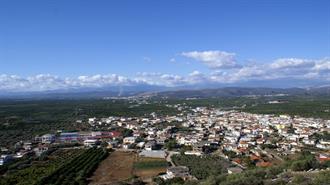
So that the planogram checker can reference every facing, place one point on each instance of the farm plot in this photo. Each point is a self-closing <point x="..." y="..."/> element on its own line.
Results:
<point x="31" y="171"/>
<point x="117" y="167"/>
<point x="77" y="170"/>
<point x="149" y="167"/>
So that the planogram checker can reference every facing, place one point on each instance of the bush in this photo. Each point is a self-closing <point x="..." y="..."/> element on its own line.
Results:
<point x="202" y="167"/>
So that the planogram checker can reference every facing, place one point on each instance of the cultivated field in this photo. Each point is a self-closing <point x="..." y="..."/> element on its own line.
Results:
<point x="30" y="170"/>
<point x="146" y="168"/>
<point x="121" y="166"/>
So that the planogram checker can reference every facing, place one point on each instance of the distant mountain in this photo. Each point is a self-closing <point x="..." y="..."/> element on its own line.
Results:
<point x="170" y="92"/>
<point x="240" y="91"/>
<point x="323" y="90"/>
<point x="85" y="93"/>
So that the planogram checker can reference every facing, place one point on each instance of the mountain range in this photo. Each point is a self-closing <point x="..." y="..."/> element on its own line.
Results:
<point x="170" y="92"/>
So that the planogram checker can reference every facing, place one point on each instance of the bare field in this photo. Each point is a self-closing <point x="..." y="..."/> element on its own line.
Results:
<point x="117" y="167"/>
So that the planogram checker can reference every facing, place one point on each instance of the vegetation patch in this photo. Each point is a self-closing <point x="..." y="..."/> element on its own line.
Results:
<point x="77" y="170"/>
<point x="202" y="167"/>
<point x="29" y="170"/>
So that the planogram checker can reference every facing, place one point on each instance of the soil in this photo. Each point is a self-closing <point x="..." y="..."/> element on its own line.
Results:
<point x="117" y="167"/>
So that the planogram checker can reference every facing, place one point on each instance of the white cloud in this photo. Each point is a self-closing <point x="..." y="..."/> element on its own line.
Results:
<point x="195" y="73"/>
<point x="196" y="77"/>
<point x="285" y="63"/>
<point x="44" y="82"/>
<point x="12" y="82"/>
<point x="322" y="65"/>
<point x="172" y="60"/>
<point x="159" y="79"/>
<point x="285" y="69"/>
<point x="213" y="59"/>
<point x="248" y="73"/>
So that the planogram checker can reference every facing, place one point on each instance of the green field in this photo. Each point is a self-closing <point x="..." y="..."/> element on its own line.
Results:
<point x="202" y="167"/>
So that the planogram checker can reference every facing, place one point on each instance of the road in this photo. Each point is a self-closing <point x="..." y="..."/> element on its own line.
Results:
<point x="169" y="157"/>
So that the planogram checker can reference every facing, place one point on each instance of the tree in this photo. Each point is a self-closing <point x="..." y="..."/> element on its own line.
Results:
<point x="171" y="144"/>
<point x="127" y="132"/>
<point x="300" y="180"/>
<point x="104" y="144"/>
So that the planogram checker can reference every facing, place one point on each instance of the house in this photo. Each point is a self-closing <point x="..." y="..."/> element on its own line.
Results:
<point x="128" y="146"/>
<point x="151" y="145"/>
<point x="234" y="170"/>
<point x="112" y="144"/>
<point x="4" y="149"/>
<point x="243" y="144"/>
<point x="263" y="164"/>
<point x="177" y="171"/>
<point x="260" y="141"/>
<point x="161" y="140"/>
<point x="38" y="139"/>
<point x="40" y="149"/>
<point x="22" y="153"/>
<point x="48" y="138"/>
<point x="69" y="137"/>
<point x="254" y="157"/>
<point x="5" y="159"/>
<point x="115" y="134"/>
<point x="324" y="142"/>
<point x="323" y="146"/>
<point x="85" y="135"/>
<point x="197" y="153"/>
<point x="129" y="140"/>
<point x="324" y="157"/>
<point x="27" y="146"/>
<point x="141" y="144"/>
<point x="96" y="134"/>
<point x="153" y="154"/>
<point x="309" y="141"/>
<point x="91" y="120"/>
<point x="90" y="142"/>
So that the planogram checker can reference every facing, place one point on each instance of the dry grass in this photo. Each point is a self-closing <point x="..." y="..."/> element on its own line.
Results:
<point x="116" y="168"/>
<point x="119" y="166"/>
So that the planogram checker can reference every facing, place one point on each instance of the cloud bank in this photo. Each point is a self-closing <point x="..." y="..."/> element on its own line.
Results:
<point x="223" y="66"/>
<point x="213" y="59"/>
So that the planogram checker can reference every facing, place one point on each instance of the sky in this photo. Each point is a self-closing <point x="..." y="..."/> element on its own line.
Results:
<point x="63" y="44"/>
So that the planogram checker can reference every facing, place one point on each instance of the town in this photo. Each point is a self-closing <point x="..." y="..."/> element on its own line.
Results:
<point x="188" y="92"/>
<point x="241" y="140"/>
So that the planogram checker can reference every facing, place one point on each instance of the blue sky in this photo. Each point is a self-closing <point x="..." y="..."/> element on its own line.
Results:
<point x="141" y="41"/>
